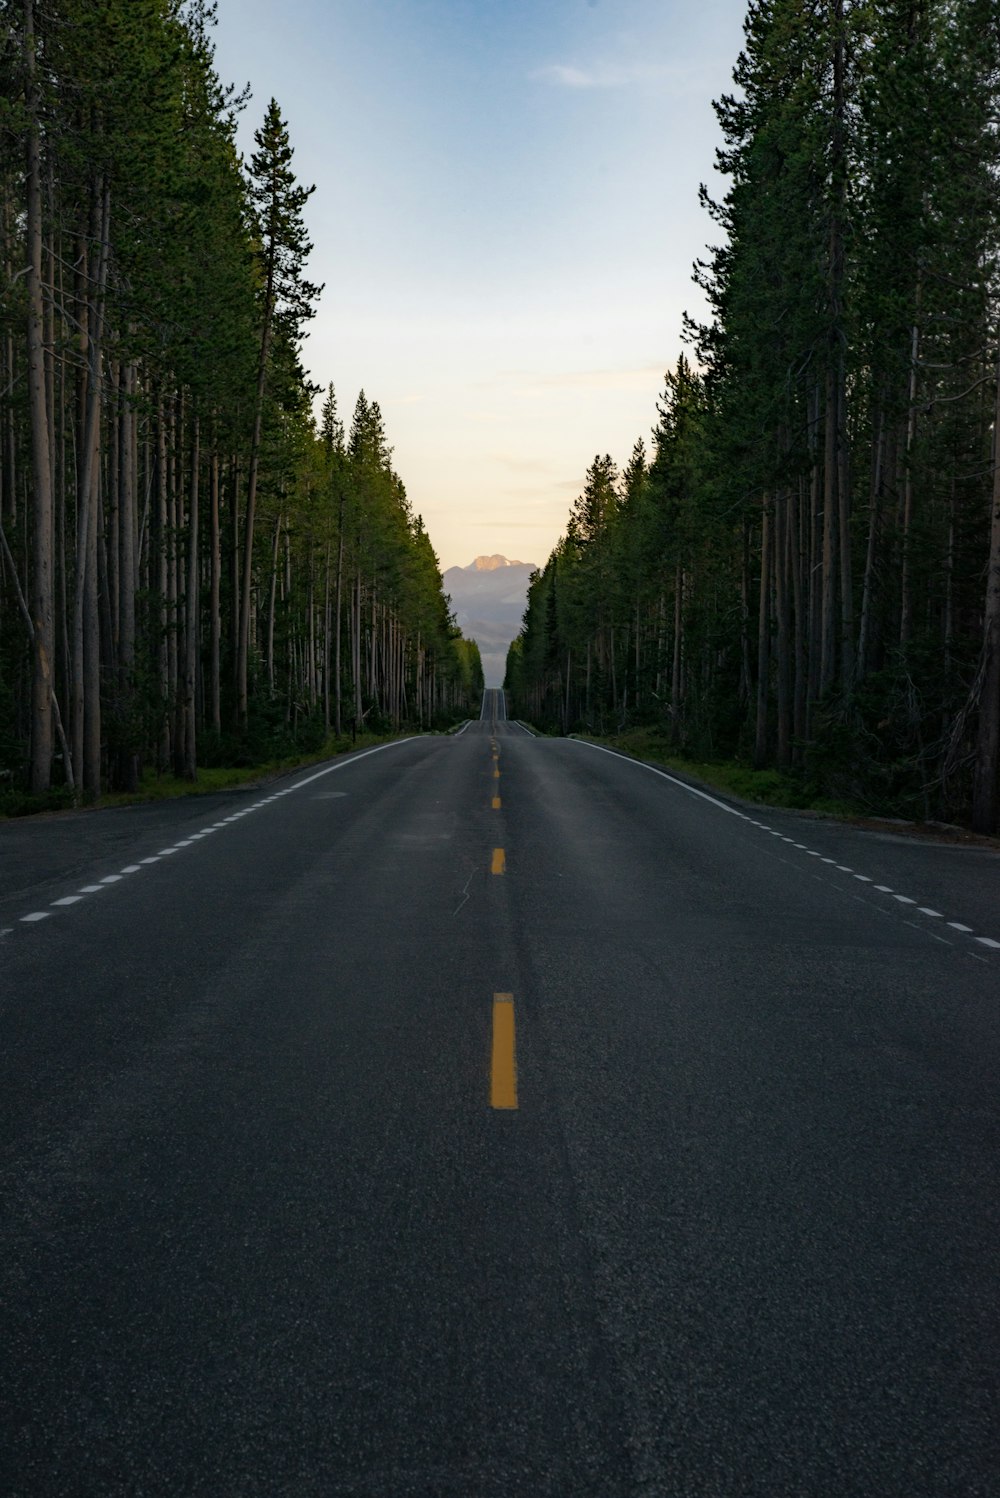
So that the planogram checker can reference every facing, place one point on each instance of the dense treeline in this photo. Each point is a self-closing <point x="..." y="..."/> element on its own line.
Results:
<point x="190" y="570"/>
<point x="805" y="570"/>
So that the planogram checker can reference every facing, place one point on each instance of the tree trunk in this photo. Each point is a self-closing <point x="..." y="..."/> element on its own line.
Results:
<point x="190" y="744"/>
<point x="86" y="701"/>
<point x="337" y="682"/>
<point x="215" y="620"/>
<point x="272" y="604"/>
<point x="986" y="773"/>
<point x="906" y="576"/>
<point x="763" y="635"/>
<point x="43" y="643"/>
<point x="243" y="643"/>
<point x="782" y="548"/>
<point x="128" y="766"/>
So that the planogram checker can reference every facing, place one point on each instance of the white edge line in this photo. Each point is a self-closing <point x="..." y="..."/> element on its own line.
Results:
<point x="342" y="764"/>
<point x="641" y="765"/>
<point x="985" y="940"/>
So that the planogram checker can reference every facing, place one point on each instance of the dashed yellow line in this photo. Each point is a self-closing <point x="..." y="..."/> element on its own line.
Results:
<point x="496" y="803"/>
<point x="503" y="1062"/>
<point x="499" y="863"/>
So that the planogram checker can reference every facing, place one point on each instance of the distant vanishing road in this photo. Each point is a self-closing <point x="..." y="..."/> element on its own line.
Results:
<point x="492" y="1115"/>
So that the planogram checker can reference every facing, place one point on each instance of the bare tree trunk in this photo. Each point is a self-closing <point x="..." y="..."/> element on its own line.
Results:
<point x="986" y="773"/>
<point x="357" y="649"/>
<point x="272" y="604"/>
<point x="311" y="632"/>
<point x="813" y="528"/>
<point x="799" y="645"/>
<point x="782" y="547"/>
<point x="746" y="671"/>
<point x="43" y="642"/>
<point x="163" y="665"/>
<point x="763" y="634"/>
<point x="327" y="626"/>
<point x="243" y="643"/>
<point x="337" y="684"/>
<point x="128" y="768"/>
<point x="871" y="550"/>
<point x="835" y="499"/>
<point x="215" y="620"/>
<point x="905" y="586"/>
<point x="91" y="768"/>
<point x="844" y="537"/>
<point x="828" y="659"/>
<point x="235" y="605"/>
<point x="86" y="704"/>
<point x="190" y="744"/>
<point x="175" y="522"/>
<point x="30" y="626"/>
<point x="676" y="688"/>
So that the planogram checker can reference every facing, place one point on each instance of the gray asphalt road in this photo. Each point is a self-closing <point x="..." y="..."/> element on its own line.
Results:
<point x="271" y="1224"/>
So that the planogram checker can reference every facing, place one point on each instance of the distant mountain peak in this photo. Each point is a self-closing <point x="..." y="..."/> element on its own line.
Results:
<point x="488" y="600"/>
<point x="490" y="564"/>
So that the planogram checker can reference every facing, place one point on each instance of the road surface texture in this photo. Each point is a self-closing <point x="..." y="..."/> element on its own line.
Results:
<point x="491" y="1115"/>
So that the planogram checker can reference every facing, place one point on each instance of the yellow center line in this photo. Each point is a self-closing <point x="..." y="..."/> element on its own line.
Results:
<point x="499" y="863"/>
<point x="496" y="773"/>
<point x="496" y="803"/>
<point x="503" y="1065"/>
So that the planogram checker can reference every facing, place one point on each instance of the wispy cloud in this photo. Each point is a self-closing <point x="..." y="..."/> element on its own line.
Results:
<point x="646" y="377"/>
<point x="609" y="75"/>
<point x="520" y="464"/>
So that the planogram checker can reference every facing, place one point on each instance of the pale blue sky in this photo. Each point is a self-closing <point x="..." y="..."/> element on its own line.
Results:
<point x="505" y="217"/>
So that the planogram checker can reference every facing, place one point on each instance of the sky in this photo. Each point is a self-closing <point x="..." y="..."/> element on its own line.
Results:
<point x="505" y="219"/>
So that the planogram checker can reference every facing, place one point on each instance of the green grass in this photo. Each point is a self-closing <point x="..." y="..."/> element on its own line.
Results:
<point x="166" y="787"/>
<point x="764" y="787"/>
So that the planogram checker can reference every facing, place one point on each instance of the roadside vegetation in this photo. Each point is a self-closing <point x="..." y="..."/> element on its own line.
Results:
<point x="768" y="787"/>
<point x="801" y="578"/>
<point x="196" y="574"/>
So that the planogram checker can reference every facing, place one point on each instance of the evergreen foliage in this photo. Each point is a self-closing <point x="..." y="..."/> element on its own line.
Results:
<point x="188" y="567"/>
<point x="802" y="573"/>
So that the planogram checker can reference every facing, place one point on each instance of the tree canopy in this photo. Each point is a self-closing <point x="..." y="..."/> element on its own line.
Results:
<point x="190" y="570"/>
<point x="805" y="573"/>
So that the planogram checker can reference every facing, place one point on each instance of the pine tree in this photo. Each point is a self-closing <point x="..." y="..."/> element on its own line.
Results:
<point x="286" y="301"/>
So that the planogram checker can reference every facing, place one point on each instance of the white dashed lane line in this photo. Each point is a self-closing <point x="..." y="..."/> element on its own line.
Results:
<point x="65" y="901"/>
<point x="883" y="889"/>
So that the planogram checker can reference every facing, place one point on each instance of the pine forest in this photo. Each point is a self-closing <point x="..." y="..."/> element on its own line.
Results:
<point x="802" y="572"/>
<point x="194" y="570"/>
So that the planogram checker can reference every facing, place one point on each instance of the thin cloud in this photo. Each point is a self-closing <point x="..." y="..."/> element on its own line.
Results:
<point x="609" y="75"/>
<point x="543" y="492"/>
<point x="598" y="379"/>
<point x="520" y="465"/>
